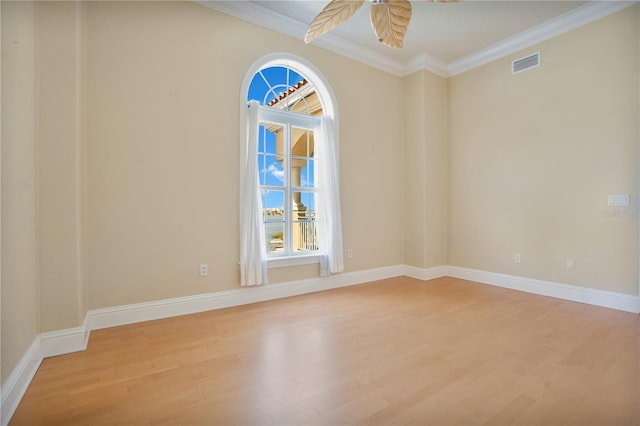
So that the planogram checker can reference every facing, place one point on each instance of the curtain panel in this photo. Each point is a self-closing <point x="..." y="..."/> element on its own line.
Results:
<point x="253" y="254"/>
<point x="329" y="217"/>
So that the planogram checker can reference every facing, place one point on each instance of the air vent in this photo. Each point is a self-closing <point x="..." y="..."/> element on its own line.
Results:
<point x="526" y="63"/>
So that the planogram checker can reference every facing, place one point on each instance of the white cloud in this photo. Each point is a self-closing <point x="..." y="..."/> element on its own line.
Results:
<point x="275" y="172"/>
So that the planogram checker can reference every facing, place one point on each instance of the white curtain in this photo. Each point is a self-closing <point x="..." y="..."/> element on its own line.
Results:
<point x="328" y="205"/>
<point x="253" y="251"/>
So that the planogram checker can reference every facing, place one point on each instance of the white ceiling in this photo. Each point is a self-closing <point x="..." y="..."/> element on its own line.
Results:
<point x="446" y="38"/>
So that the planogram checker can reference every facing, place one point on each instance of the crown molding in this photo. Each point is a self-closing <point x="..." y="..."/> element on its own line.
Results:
<point x="564" y="23"/>
<point x="259" y="15"/>
<point x="425" y="62"/>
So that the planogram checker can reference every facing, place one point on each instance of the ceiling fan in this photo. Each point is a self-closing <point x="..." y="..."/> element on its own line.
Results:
<point x="389" y="19"/>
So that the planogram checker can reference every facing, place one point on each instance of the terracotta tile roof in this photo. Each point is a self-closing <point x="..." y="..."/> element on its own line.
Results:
<point x="291" y="90"/>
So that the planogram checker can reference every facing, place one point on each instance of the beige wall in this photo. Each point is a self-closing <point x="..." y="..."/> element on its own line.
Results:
<point x="425" y="126"/>
<point x="19" y="245"/>
<point x="162" y="89"/>
<point x="534" y="156"/>
<point x="60" y="148"/>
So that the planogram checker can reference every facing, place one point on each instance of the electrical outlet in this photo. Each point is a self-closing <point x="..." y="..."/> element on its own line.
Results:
<point x="569" y="264"/>
<point x="204" y="270"/>
<point x="517" y="258"/>
<point x="350" y="253"/>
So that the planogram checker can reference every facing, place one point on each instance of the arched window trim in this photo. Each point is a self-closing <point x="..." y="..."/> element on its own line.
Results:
<point x="330" y="110"/>
<point x="323" y="89"/>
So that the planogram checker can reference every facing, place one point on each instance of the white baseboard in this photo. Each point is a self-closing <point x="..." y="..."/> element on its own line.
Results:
<point x="75" y="339"/>
<point x="18" y="381"/>
<point x="424" y="274"/>
<point x="129" y="314"/>
<point x="66" y="341"/>
<point x="591" y="296"/>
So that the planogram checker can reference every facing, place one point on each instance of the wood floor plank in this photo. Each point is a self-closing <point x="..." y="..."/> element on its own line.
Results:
<point x="393" y="352"/>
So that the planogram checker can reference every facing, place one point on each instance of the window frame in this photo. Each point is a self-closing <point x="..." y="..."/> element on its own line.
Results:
<point x="288" y="120"/>
<point x="330" y="110"/>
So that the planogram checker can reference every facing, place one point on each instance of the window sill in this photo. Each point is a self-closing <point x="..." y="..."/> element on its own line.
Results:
<point x="283" y="262"/>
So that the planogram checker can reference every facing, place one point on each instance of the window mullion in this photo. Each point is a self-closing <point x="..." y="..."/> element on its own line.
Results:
<point x="288" y="195"/>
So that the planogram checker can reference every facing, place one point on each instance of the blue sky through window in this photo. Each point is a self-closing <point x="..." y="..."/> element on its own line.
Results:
<point x="270" y="82"/>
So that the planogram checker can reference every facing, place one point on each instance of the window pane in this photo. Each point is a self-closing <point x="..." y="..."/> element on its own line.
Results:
<point x="294" y="77"/>
<point x="267" y="136"/>
<point x="307" y="176"/>
<point x="257" y="88"/>
<point x="301" y="155"/>
<point x="271" y="171"/>
<point x="270" y="145"/>
<point x="273" y="206"/>
<point x="276" y="82"/>
<point x="277" y="95"/>
<point x="274" y="237"/>
<point x="301" y="142"/>
<point x="271" y="138"/>
<point x="304" y="222"/>
<point x="308" y="199"/>
<point x="273" y="77"/>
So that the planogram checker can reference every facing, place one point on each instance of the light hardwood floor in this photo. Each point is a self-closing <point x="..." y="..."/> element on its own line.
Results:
<point x="398" y="351"/>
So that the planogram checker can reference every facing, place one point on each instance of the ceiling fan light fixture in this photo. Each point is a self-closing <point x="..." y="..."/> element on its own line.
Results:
<point x="333" y="14"/>
<point x="389" y="19"/>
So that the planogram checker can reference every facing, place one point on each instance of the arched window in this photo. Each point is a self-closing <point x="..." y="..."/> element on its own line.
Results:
<point x="289" y="201"/>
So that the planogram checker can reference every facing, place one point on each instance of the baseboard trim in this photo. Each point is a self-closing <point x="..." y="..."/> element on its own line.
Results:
<point x="18" y="381"/>
<point x="66" y="341"/>
<point x="424" y="274"/>
<point x="139" y="312"/>
<point x="75" y="339"/>
<point x="590" y="296"/>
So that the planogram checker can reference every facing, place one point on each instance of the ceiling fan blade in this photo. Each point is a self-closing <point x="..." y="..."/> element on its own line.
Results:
<point x="334" y="14"/>
<point x="390" y="21"/>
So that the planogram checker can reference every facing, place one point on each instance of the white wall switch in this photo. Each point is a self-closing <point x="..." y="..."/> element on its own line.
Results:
<point x="618" y="200"/>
